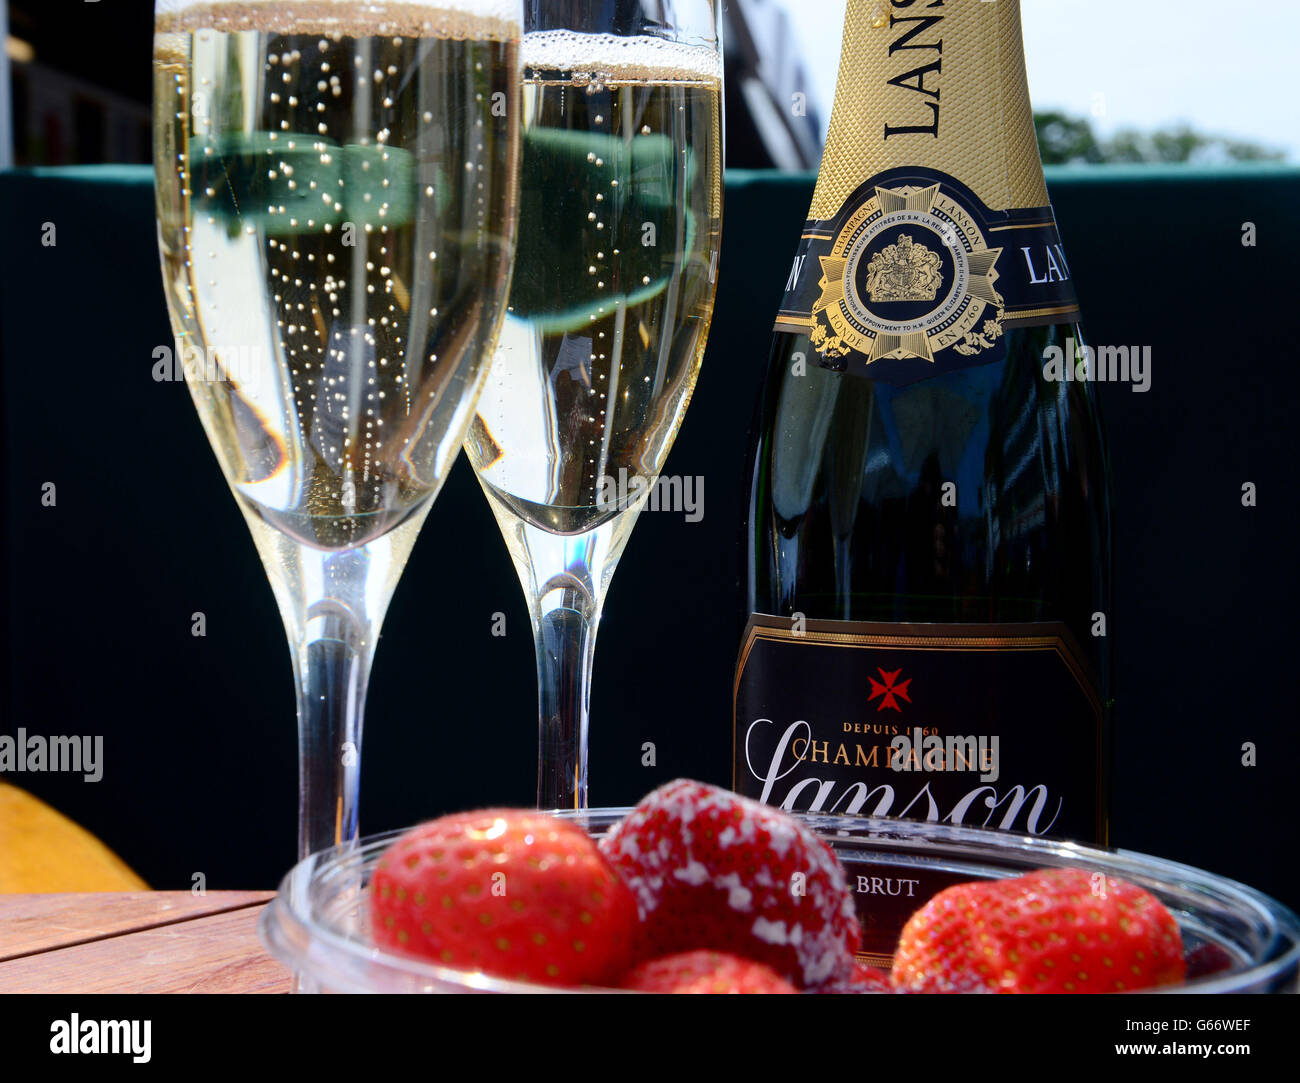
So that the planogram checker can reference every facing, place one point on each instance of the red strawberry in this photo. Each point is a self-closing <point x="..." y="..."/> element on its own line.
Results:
<point x="1050" y="931"/>
<point x="516" y="894"/>
<point x="713" y="870"/>
<point x="964" y="982"/>
<point x="863" y="978"/>
<point x="705" y="972"/>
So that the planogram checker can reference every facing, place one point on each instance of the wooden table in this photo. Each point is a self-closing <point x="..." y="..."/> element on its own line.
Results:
<point x="136" y="942"/>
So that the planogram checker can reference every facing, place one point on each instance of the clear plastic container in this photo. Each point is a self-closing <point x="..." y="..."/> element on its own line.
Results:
<point x="317" y="924"/>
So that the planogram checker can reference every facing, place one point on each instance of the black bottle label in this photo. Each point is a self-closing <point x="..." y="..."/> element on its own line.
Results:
<point x="915" y="276"/>
<point x="996" y="726"/>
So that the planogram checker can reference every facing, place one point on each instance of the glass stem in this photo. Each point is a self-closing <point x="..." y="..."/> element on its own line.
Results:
<point x="332" y="671"/>
<point x="565" y="577"/>
<point x="332" y="604"/>
<point x="564" y="632"/>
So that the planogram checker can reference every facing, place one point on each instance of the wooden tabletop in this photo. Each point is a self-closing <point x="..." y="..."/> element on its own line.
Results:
<point x="136" y="942"/>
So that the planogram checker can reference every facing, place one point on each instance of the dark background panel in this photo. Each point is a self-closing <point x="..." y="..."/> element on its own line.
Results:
<point x="200" y="772"/>
<point x="1206" y="589"/>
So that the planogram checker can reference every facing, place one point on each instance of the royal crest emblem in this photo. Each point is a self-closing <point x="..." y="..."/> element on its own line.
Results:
<point x="939" y="239"/>
<point x="903" y="271"/>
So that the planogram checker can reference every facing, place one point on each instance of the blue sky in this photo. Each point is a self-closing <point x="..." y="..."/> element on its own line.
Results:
<point x="1226" y="68"/>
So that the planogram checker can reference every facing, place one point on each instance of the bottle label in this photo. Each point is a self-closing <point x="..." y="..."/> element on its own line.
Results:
<point x="915" y="277"/>
<point x="996" y="726"/>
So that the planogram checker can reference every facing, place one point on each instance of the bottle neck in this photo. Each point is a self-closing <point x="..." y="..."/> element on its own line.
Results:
<point x="934" y="83"/>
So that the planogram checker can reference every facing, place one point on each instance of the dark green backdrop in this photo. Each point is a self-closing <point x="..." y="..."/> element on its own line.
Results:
<point x="199" y="732"/>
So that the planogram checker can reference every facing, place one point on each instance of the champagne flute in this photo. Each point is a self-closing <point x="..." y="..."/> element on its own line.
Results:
<point x="621" y="202"/>
<point x="336" y="200"/>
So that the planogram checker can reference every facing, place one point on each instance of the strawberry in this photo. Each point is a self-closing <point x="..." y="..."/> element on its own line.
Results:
<point x="705" y="972"/>
<point x="513" y="893"/>
<point x="1045" y="932"/>
<point x="964" y="982"/>
<point x="863" y="978"/>
<point x="713" y="870"/>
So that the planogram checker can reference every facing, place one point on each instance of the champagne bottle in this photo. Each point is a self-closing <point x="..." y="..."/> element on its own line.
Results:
<point x="928" y="537"/>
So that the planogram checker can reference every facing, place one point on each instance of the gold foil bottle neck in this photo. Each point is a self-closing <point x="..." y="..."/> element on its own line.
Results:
<point x="963" y="64"/>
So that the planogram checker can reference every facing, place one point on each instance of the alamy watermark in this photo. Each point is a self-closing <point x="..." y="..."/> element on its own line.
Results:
<point x="34" y="753"/>
<point x="1105" y="364"/>
<point x="187" y="361"/>
<point x="921" y="751"/>
<point x="122" y="1037"/>
<point x="667" y="493"/>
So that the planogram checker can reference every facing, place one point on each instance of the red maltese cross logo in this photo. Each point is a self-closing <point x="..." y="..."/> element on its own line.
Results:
<point x="889" y="690"/>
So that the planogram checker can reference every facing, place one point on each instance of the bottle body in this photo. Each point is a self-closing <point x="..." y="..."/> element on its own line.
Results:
<point x="928" y="545"/>
<point x="956" y="529"/>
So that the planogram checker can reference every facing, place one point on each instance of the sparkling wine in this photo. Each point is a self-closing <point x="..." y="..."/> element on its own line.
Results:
<point x="613" y="287"/>
<point x="335" y="184"/>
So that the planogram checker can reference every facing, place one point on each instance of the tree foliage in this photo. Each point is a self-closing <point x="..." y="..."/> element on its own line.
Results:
<point x="1067" y="140"/>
